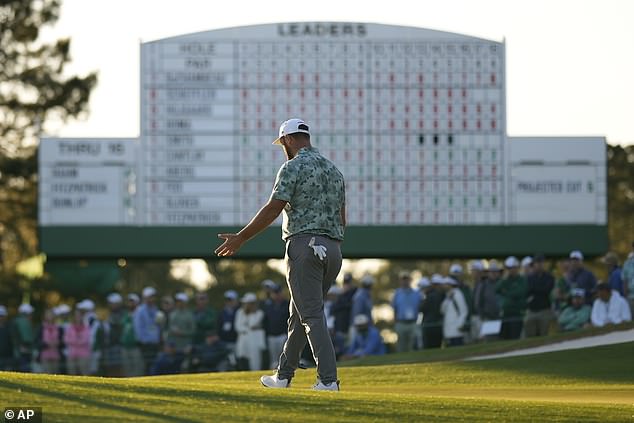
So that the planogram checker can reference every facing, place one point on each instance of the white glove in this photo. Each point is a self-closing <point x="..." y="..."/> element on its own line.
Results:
<point x="318" y="250"/>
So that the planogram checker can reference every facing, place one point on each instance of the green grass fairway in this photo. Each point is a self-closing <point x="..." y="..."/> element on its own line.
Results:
<point x="589" y="385"/>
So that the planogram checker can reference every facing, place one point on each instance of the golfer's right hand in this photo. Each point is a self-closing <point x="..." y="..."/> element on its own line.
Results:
<point x="232" y="244"/>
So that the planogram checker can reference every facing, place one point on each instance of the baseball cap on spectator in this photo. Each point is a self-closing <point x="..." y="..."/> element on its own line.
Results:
<point x="181" y="296"/>
<point x="25" y="308"/>
<point x="494" y="266"/>
<point x="527" y="261"/>
<point x="367" y="280"/>
<point x="148" y="291"/>
<point x="268" y="284"/>
<point x="578" y="292"/>
<point x="360" y="320"/>
<point x="450" y="281"/>
<point x="115" y="298"/>
<point x="455" y="269"/>
<point x="610" y="258"/>
<point x="133" y="297"/>
<point x="476" y="265"/>
<point x="423" y="282"/>
<point x="511" y="262"/>
<point x="61" y="309"/>
<point x="249" y="297"/>
<point x="576" y="255"/>
<point x="231" y="295"/>
<point x="347" y="278"/>
<point x="291" y="126"/>
<point x="3" y="311"/>
<point x="86" y="305"/>
<point x="437" y="279"/>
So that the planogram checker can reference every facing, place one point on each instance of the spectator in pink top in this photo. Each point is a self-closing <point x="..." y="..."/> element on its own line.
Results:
<point x="50" y="339"/>
<point x="77" y="339"/>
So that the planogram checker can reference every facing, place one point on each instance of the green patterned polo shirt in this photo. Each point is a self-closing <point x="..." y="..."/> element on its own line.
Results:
<point x="314" y="190"/>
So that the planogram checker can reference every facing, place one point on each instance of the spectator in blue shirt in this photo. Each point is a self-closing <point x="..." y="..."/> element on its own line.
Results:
<point x="580" y="277"/>
<point x="615" y="279"/>
<point x="367" y="339"/>
<point x="362" y="299"/>
<point x="406" y="303"/>
<point x="146" y="328"/>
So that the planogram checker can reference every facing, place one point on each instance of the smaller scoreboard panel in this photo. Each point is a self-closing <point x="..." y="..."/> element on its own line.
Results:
<point x="87" y="181"/>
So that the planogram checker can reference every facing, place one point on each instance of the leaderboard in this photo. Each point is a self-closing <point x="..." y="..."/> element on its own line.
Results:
<point x="414" y="118"/>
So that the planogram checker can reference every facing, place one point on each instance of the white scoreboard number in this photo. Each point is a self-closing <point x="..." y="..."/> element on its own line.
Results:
<point x="414" y="118"/>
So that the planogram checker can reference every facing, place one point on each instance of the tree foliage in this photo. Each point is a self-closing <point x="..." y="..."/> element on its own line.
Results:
<point x="34" y="90"/>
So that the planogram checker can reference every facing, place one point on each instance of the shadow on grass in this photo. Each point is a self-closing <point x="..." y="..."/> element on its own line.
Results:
<point x="603" y="364"/>
<point x="86" y="401"/>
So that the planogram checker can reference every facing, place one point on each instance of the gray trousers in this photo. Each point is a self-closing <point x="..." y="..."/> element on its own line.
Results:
<point x="309" y="278"/>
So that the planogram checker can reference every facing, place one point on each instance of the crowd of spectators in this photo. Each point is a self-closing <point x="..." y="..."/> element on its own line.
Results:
<point x="148" y="335"/>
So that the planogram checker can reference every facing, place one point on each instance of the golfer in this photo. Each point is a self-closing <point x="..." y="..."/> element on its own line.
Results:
<point x="310" y="190"/>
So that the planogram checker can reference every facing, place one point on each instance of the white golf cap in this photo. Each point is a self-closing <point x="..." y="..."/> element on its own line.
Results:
<point x="367" y="280"/>
<point x="448" y="280"/>
<point x="26" y="308"/>
<point x="148" y="291"/>
<point x="577" y="255"/>
<point x="115" y="298"/>
<point x="133" y="297"/>
<point x="3" y="311"/>
<point x="527" y="261"/>
<point x="181" y="296"/>
<point x="476" y="265"/>
<point x="360" y="319"/>
<point x="86" y="305"/>
<point x="268" y="284"/>
<point x="511" y="262"/>
<point x="62" y="309"/>
<point x="249" y="297"/>
<point x="578" y="292"/>
<point x="455" y="269"/>
<point x="292" y="126"/>
<point x="494" y="266"/>
<point x="231" y="295"/>
<point x="423" y="282"/>
<point x="437" y="279"/>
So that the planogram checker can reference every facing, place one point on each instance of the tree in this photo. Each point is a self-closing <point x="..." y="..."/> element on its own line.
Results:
<point x="621" y="198"/>
<point x="34" y="90"/>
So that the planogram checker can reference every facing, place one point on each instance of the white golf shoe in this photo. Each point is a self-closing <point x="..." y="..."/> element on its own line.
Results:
<point x="274" y="382"/>
<point x="320" y="386"/>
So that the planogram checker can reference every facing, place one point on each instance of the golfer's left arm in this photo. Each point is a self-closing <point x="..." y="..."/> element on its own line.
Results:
<point x="260" y="221"/>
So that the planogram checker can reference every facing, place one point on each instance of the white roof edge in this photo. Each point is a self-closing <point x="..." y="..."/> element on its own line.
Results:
<point x="413" y="31"/>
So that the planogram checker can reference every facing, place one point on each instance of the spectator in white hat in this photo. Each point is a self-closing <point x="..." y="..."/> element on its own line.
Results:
<point x="24" y="337"/>
<point x="182" y="324"/>
<point x="455" y="312"/>
<point x="251" y="337"/>
<point x="362" y="299"/>
<point x="6" y="341"/>
<point x="432" y="316"/>
<point x="367" y="339"/>
<point x="226" y="322"/>
<point x="456" y="272"/>
<point x="206" y="319"/>
<point x="113" y="328"/>
<point x="406" y="304"/>
<point x="512" y="290"/>
<point x="610" y="308"/>
<point x="577" y="314"/>
<point x="146" y="329"/>
<point x="97" y="336"/>
<point x="485" y="300"/>
<point x="77" y="339"/>
<point x="580" y="277"/>
<point x="526" y="266"/>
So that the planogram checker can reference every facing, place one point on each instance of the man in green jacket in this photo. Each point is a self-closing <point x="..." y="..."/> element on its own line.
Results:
<point x="576" y="315"/>
<point x="181" y="323"/>
<point x="205" y="317"/>
<point x="512" y="292"/>
<point x="24" y="337"/>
